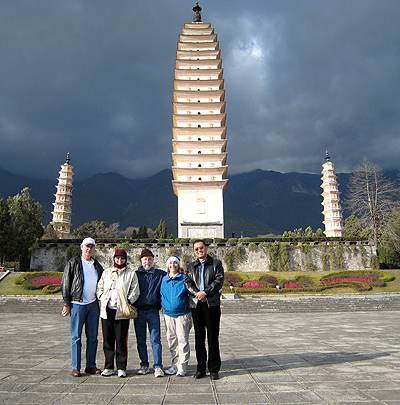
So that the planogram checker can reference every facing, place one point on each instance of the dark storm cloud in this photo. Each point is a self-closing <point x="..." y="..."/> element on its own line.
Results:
<point x="95" y="78"/>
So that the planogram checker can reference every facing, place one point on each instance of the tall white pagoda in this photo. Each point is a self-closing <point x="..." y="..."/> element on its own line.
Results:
<point x="199" y="131"/>
<point x="333" y="213"/>
<point x="63" y="204"/>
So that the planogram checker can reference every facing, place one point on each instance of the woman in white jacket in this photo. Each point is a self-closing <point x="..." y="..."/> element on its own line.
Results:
<point x="114" y="325"/>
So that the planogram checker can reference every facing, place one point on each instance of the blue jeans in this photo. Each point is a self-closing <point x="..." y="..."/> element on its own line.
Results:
<point x="87" y="315"/>
<point x="152" y="318"/>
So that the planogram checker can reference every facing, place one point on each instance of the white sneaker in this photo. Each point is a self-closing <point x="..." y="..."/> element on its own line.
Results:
<point x="121" y="373"/>
<point x="172" y="370"/>
<point x="158" y="372"/>
<point x="107" y="372"/>
<point x="143" y="370"/>
<point x="181" y="373"/>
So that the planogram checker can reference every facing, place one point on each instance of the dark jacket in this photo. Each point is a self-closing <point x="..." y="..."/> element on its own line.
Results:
<point x="149" y="286"/>
<point x="213" y="280"/>
<point x="72" y="280"/>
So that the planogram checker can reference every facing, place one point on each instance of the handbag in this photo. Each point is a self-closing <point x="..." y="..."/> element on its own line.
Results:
<point x="128" y="310"/>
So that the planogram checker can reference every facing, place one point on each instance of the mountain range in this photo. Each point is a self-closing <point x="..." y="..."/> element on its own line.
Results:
<point x="256" y="203"/>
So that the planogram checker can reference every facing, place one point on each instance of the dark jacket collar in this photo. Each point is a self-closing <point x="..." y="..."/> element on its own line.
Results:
<point x="209" y="260"/>
<point x="142" y="270"/>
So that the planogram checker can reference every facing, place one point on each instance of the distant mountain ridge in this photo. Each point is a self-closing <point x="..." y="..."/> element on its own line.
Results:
<point x="259" y="202"/>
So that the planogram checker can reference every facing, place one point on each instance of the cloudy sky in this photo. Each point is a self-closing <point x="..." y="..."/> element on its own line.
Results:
<point x="95" y="78"/>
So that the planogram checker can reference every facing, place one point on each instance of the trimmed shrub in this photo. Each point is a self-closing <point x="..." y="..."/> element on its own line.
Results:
<point x="307" y="281"/>
<point x="252" y="284"/>
<point x="52" y="288"/>
<point x="274" y="280"/>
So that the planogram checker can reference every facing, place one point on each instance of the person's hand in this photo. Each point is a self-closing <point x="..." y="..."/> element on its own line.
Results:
<point x="201" y="296"/>
<point x="65" y="311"/>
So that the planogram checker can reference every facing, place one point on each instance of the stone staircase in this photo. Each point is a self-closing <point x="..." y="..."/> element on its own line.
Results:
<point x="303" y="304"/>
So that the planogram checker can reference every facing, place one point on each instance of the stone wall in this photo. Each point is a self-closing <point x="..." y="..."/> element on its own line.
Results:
<point x="244" y="257"/>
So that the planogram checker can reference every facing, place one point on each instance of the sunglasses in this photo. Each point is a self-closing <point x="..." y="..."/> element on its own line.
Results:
<point x="199" y="248"/>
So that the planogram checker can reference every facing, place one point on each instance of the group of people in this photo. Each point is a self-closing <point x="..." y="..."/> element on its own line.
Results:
<point x="91" y="293"/>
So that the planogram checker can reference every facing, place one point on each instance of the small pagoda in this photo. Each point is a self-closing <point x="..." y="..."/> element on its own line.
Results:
<point x="63" y="204"/>
<point x="333" y="212"/>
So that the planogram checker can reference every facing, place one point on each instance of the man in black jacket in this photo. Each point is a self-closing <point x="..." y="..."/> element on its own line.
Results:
<point x="78" y="286"/>
<point x="203" y="281"/>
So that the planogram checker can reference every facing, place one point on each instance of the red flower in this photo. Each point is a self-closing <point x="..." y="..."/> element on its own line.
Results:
<point x="341" y="279"/>
<point x="48" y="280"/>
<point x="253" y="284"/>
<point x="292" y="284"/>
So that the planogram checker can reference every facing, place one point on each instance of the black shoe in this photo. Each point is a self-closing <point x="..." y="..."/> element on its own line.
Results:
<point x="92" y="370"/>
<point x="214" y="376"/>
<point x="199" y="374"/>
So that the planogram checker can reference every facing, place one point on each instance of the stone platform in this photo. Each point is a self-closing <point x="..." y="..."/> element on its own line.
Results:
<point x="275" y="350"/>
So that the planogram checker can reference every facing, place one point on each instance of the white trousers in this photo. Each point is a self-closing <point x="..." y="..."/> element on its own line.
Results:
<point x="178" y="329"/>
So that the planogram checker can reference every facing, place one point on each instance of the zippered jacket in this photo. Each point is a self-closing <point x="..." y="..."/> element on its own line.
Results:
<point x="149" y="285"/>
<point x="174" y="297"/>
<point x="129" y="284"/>
<point x="213" y="281"/>
<point x="72" y="280"/>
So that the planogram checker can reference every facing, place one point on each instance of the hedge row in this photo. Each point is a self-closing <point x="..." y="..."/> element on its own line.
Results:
<point x="211" y="240"/>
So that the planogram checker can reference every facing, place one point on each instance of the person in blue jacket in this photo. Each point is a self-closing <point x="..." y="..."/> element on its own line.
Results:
<point x="177" y="316"/>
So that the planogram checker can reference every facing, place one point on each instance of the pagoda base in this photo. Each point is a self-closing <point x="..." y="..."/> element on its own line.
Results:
<point x="202" y="230"/>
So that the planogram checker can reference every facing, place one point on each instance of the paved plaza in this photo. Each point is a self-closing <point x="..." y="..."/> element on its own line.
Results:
<point x="339" y="350"/>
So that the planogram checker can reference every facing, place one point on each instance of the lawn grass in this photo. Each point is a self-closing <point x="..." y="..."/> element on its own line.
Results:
<point x="7" y="286"/>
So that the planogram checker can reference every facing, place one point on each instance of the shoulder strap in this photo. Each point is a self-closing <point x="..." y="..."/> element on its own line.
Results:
<point x="120" y="289"/>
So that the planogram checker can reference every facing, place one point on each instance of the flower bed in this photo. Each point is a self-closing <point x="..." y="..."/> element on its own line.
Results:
<point x="266" y="283"/>
<point x="49" y="282"/>
<point x="341" y="279"/>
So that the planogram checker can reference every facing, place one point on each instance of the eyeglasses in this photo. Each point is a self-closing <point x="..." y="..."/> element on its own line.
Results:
<point x="199" y="248"/>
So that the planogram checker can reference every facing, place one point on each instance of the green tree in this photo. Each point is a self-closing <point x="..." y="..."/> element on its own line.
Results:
<point x="142" y="234"/>
<point x="319" y="233"/>
<point x="309" y="232"/>
<point x="26" y="216"/>
<point x="98" y="229"/>
<point x="134" y="234"/>
<point x="161" y="231"/>
<point x="7" y="234"/>
<point x="50" y="232"/>
<point x="390" y="237"/>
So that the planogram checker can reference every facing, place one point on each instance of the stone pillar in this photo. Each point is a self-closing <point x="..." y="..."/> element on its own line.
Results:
<point x="333" y="213"/>
<point x="63" y="204"/>
<point x="199" y="132"/>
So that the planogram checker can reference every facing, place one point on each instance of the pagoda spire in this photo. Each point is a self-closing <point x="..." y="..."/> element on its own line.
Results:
<point x="197" y="15"/>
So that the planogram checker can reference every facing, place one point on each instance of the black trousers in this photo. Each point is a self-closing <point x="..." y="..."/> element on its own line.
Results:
<point x="115" y="339"/>
<point x="206" y="321"/>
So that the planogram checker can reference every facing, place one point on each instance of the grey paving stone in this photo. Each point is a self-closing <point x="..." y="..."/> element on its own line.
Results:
<point x="244" y="398"/>
<point x="294" y="397"/>
<point x="286" y="357"/>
